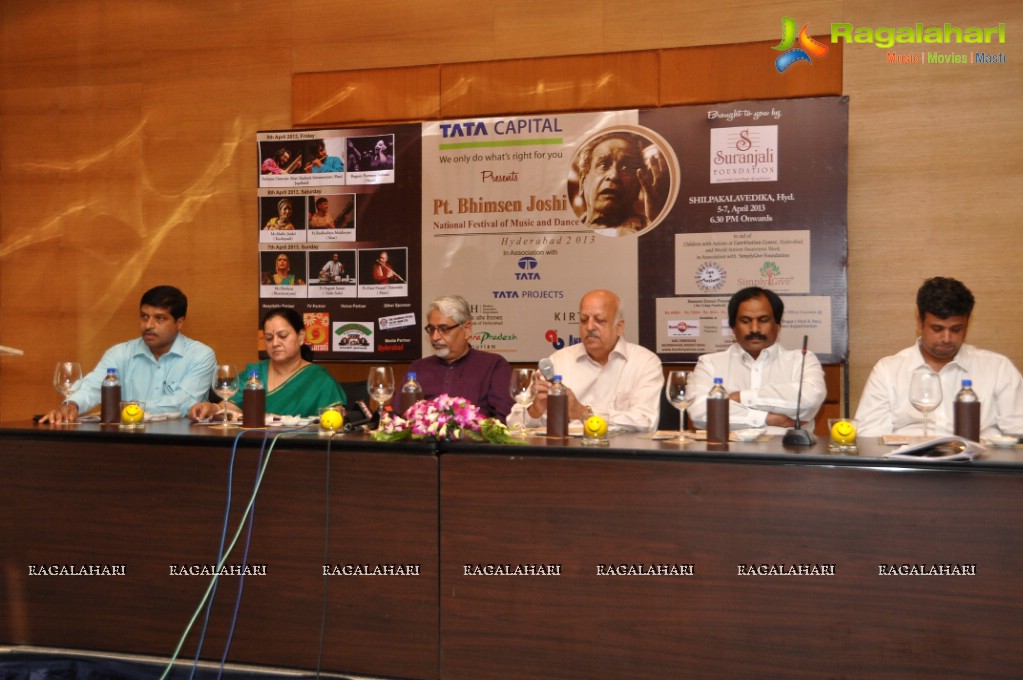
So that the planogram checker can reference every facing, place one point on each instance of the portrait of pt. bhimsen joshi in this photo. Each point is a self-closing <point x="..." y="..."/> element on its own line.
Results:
<point x="622" y="183"/>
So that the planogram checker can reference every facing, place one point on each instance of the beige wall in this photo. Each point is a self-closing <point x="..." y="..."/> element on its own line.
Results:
<point x="127" y="151"/>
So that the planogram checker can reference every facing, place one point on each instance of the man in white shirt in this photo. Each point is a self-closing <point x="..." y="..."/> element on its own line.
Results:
<point x="761" y="376"/>
<point x="944" y="306"/>
<point x="604" y="373"/>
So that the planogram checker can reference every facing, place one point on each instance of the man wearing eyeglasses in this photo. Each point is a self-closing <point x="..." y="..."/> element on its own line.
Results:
<point x="456" y="368"/>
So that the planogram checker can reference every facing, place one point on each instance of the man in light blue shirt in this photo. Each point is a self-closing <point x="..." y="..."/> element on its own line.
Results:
<point x="163" y="368"/>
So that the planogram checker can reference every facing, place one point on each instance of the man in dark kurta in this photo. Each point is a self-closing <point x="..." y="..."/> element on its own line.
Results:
<point x="458" y="370"/>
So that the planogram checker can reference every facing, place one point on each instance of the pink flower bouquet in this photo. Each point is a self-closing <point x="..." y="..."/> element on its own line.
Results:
<point x="443" y="418"/>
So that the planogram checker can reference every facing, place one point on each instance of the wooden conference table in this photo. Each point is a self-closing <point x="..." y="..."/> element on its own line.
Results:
<point x="550" y="560"/>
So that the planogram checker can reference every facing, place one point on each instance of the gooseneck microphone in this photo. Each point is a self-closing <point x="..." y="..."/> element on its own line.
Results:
<point x="797" y="436"/>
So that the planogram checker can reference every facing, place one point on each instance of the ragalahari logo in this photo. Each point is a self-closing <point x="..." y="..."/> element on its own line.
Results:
<point x="808" y="47"/>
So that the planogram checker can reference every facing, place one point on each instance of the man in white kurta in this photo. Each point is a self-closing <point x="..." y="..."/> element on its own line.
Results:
<point x="761" y="376"/>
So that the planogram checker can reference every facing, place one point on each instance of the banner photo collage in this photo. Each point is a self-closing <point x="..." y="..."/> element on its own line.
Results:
<point x="339" y="233"/>
<point x="674" y="209"/>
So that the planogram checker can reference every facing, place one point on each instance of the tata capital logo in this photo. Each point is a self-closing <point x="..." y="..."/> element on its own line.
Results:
<point x="808" y="47"/>
<point x="527" y="265"/>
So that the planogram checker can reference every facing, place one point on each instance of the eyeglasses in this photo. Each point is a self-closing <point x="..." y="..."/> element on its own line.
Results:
<point x="443" y="330"/>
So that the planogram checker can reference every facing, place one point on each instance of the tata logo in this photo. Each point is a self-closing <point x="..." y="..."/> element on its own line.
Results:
<point x="469" y="128"/>
<point x="527" y="263"/>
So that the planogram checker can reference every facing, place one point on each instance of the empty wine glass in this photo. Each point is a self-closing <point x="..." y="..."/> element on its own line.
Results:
<point x="925" y="393"/>
<point x="521" y="388"/>
<point x="676" y="389"/>
<point x="380" y="385"/>
<point x="67" y="378"/>
<point x="225" y="385"/>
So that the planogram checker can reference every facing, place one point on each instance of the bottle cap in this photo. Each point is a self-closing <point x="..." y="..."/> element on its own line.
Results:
<point x="719" y="381"/>
<point x="412" y="375"/>
<point x="556" y="378"/>
<point x="967" y="383"/>
<point x="111" y="370"/>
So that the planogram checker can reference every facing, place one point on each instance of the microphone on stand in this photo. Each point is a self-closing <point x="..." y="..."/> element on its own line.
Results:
<point x="797" y="436"/>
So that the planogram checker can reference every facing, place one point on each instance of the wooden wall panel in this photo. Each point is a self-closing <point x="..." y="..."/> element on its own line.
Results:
<point x="642" y="79"/>
<point x="375" y="95"/>
<point x="577" y="83"/>
<point x="722" y="73"/>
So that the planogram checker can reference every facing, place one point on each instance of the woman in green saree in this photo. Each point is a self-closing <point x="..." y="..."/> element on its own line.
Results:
<point x="294" y="385"/>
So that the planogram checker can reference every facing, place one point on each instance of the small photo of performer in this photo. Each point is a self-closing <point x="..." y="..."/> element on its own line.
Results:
<point x="384" y="267"/>
<point x="339" y="267"/>
<point x="366" y="154"/>
<point x="279" y="160"/>
<point x="282" y="269"/>
<point x="334" y="212"/>
<point x="318" y="158"/>
<point x="280" y="214"/>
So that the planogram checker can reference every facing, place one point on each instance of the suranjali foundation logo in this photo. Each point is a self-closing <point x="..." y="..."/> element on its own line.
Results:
<point x="744" y="154"/>
<point x="808" y="49"/>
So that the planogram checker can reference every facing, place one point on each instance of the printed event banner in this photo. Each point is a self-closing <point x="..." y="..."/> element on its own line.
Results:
<point x="674" y="209"/>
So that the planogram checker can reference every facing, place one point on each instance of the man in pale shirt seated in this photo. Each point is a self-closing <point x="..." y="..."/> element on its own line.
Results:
<point x="605" y="373"/>
<point x="761" y="376"/>
<point x="943" y="306"/>
<point x="162" y="367"/>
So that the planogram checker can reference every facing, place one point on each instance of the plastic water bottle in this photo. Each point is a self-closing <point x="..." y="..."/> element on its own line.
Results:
<point x="110" y="398"/>
<point x="557" y="409"/>
<point x="411" y="392"/>
<point x="966" y="413"/>
<point x="254" y="402"/>
<point x="717" y="413"/>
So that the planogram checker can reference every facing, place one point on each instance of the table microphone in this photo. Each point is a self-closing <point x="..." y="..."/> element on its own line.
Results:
<point x="546" y="367"/>
<point x="797" y="436"/>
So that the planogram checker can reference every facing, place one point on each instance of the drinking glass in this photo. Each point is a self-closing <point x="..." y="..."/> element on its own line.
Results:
<point x="67" y="379"/>
<point x="521" y="388"/>
<point x="925" y="393"/>
<point x="380" y="385"/>
<point x="677" y="390"/>
<point x="225" y="385"/>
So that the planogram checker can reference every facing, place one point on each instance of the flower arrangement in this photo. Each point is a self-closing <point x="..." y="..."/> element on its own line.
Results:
<point x="443" y="418"/>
